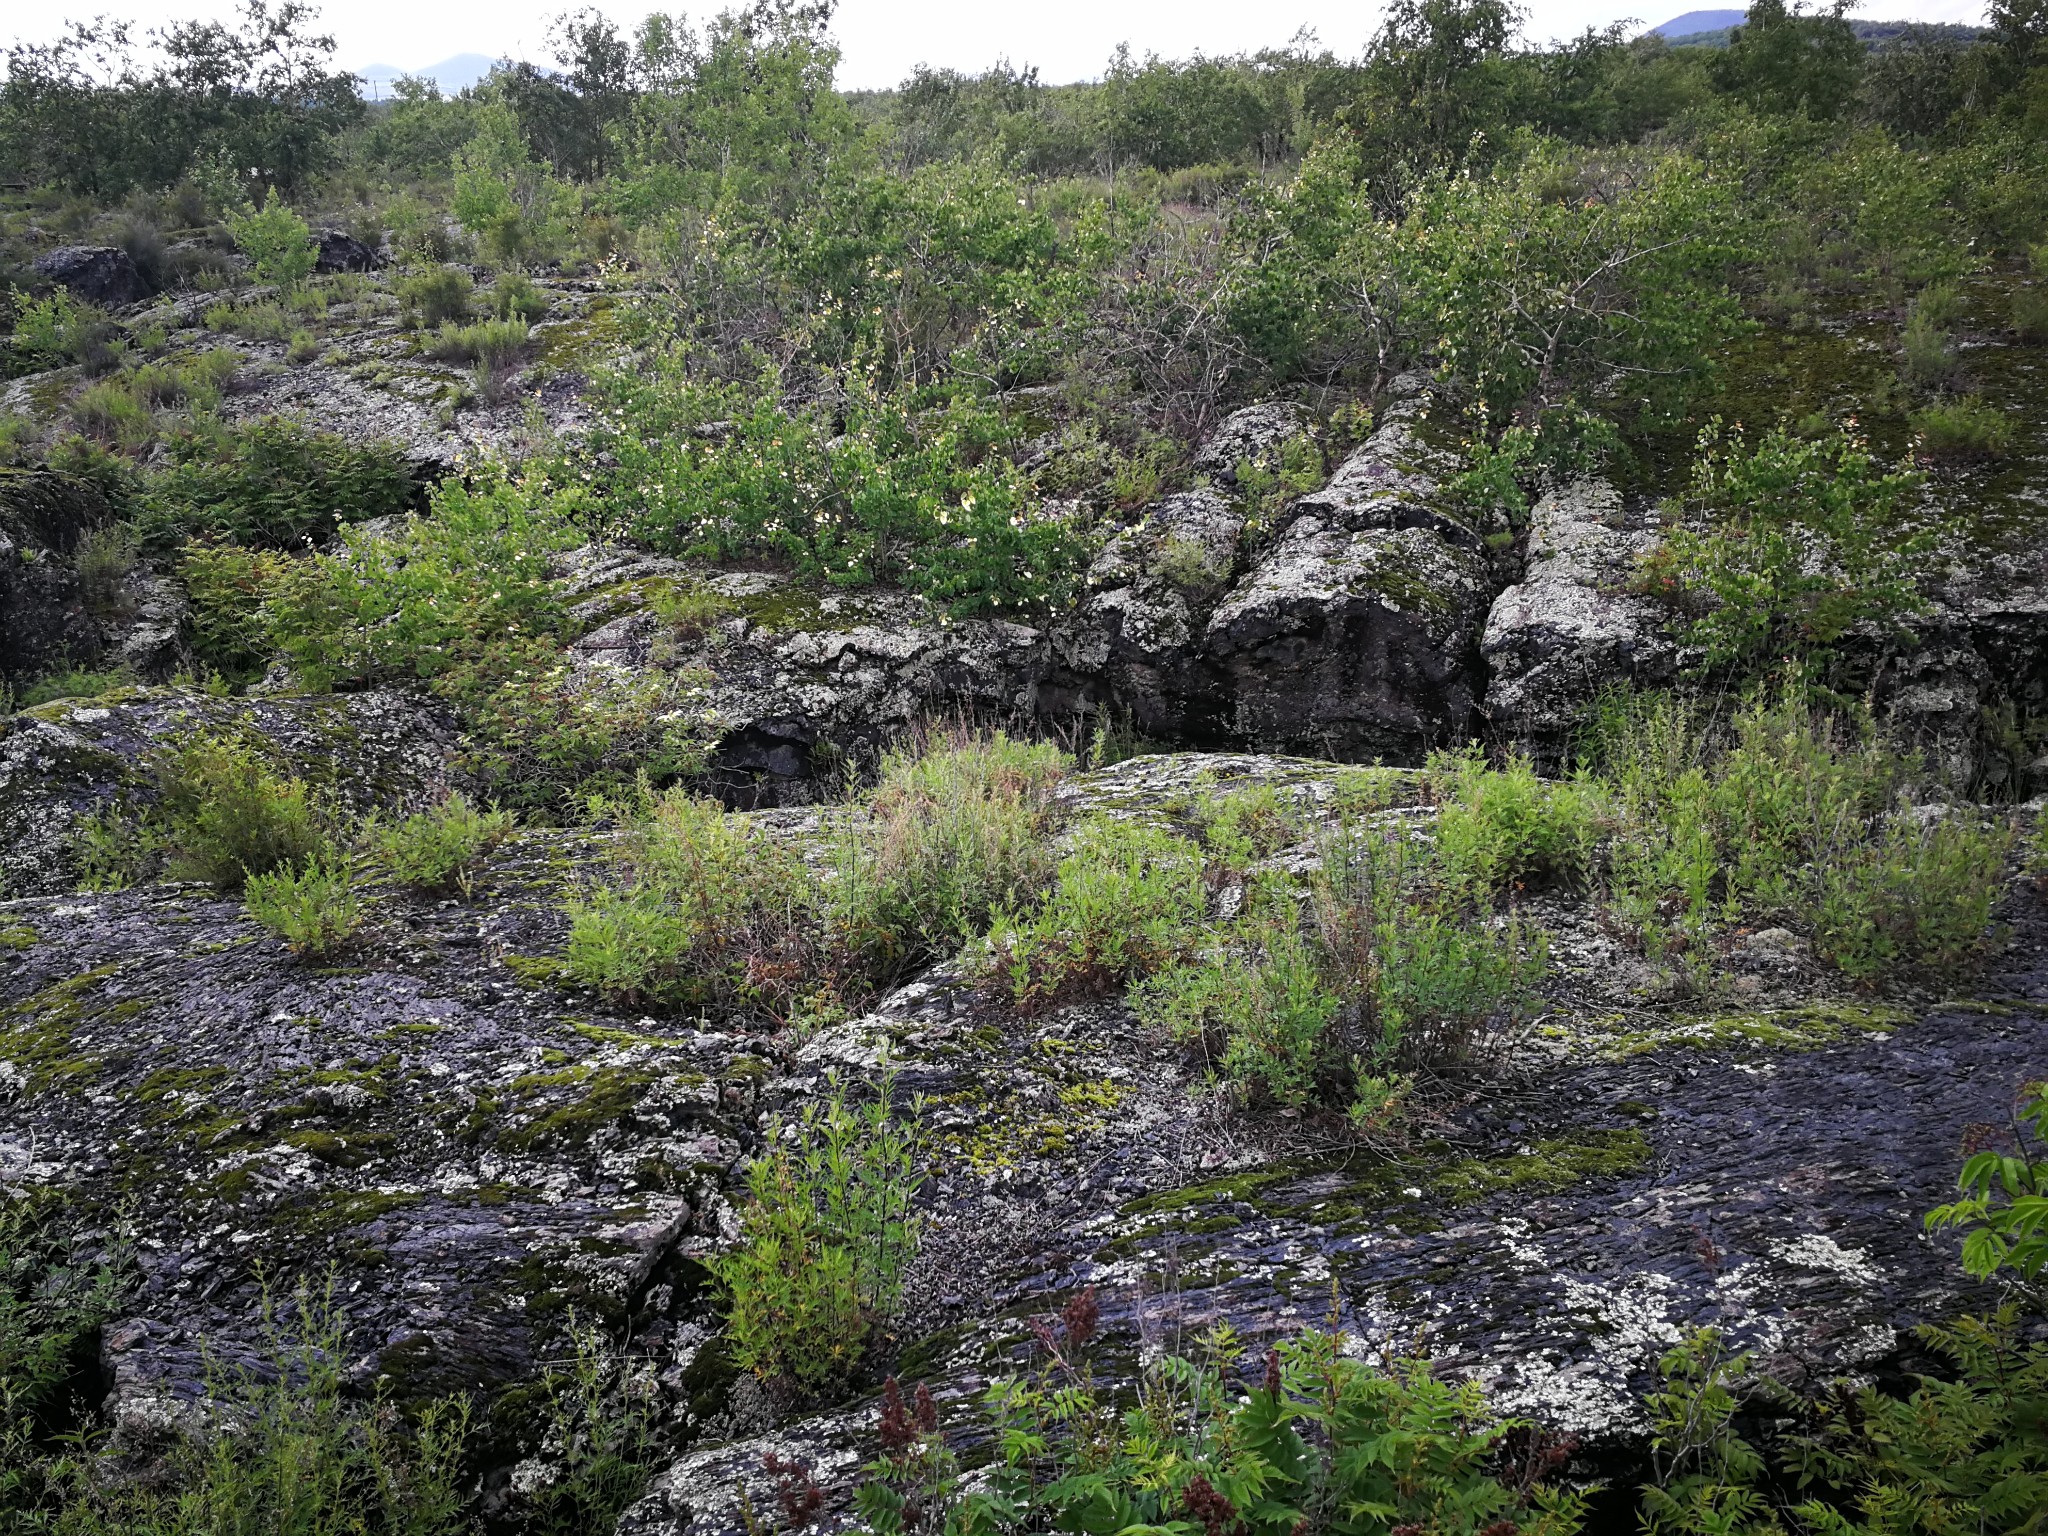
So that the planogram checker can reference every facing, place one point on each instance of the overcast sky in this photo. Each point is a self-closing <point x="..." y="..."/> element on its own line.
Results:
<point x="882" y="39"/>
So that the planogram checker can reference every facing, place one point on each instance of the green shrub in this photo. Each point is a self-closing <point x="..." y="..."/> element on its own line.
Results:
<point x="1126" y="901"/>
<point x="438" y="851"/>
<point x="827" y="1233"/>
<point x="514" y="296"/>
<point x="313" y="907"/>
<point x="542" y="737"/>
<point x="1203" y="1449"/>
<point x="228" y="815"/>
<point x="1243" y="825"/>
<point x="958" y="830"/>
<point x="1261" y="1005"/>
<point x="689" y="611"/>
<point x="110" y="412"/>
<point x="1508" y="826"/>
<point x="1802" y="542"/>
<point x="1925" y="355"/>
<point x="435" y="297"/>
<point x="105" y="558"/>
<point x="1962" y="429"/>
<point x="2030" y="314"/>
<point x="75" y="684"/>
<point x="226" y="585"/>
<point x="713" y="913"/>
<point x="304" y="347"/>
<point x="1940" y="303"/>
<point x="1860" y="1460"/>
<point x="2004" y="1204"/>
<point x="271" y="483"/>
<point x="54" y="330"/>
<point x="436" y="600"/>
<point x="494" y="342"/>
<point x="1917" y="895"/>
<point x="900" y="490"/>
<point x="277" y="242"/>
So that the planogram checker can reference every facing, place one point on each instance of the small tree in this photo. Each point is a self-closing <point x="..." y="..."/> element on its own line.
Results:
<point x="276" y="240"/>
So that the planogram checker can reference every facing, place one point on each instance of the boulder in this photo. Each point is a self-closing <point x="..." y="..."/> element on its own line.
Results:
<point x="99" y="274"/>
<point x="343" y="252"/>
<point x="1572" y="627"/>
<point x="1354" y="634"/>
<point x="1253" y="433"/>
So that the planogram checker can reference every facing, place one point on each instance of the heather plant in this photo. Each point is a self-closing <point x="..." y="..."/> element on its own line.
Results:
<point x="1965" y="428"/>
<point x="228" y="814"/>
<point x="312" y="906"/>
<point x="493" y="342"/>
<point x="958" y="830"/>
<point x="687" y="610"/>
<point x="711" y="912"/>
<point x="438" y="850"/>
<point x="829" y="1228"/>
<point x="1126" y="900"/>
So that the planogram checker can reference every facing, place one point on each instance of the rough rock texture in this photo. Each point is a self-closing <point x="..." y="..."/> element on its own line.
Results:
<point x="1355" y="633"/>
<point x="44" y="625"/>
<point x="99" y="274"/>
<point x="1572" y="627"/>
<point x="343" y="252"/>
<point x="1760" y="1172"/>
<point x="65" y="761"/>
<point x="1249" y="434"/>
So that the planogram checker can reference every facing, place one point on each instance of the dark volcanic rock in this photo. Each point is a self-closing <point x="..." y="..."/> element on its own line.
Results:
<point x="99" y="274"/>
<point x="343" y="252"/>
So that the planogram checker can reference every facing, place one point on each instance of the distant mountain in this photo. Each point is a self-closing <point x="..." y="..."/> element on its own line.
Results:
<point x="1698" y="21"/>
<point x="1710" y="29"/>
<point x="452" y="75"/>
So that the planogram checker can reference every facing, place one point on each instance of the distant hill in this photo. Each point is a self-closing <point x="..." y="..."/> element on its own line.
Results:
<point x="1710" y="29"/>
<point x="456" y="74"/>
<point x="1695" y="22"/>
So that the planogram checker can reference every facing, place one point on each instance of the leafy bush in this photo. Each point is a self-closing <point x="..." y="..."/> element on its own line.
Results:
<point x="1803" y="541"/>
<point x="1925" y="355"/>
<point x="277" y="242"/>
<point x="438" y="851"/>
<point x="272" y="483"/>
<point x="1917" y="894"/>
<point x="689" y="611"/>
<point x="436" y="297"/>
<point x="56" y="329"/>
<point x="227" y="585"/>
<point x="303" y="348"/>
<point x="544" y="737"/>
<point x="74" y="684"/>
<point x="1243" y="825"/>
<point x="2004" y="1204"/>
<point x="313" y="907"/>
<point x="1963" y="429"/>
<point x="827" y="1233"/>
<point x="957" y="831"/>
<point x="515" y="297"/>
<point x="110" y="412"/>
<point x="1127" y="900"/>
<point x="228" y="815"/>
<point x="2030" y="313"/>
<point x="437" y="599"/>
<point x="1507" y="826"/>
<point x="1199" y="1450"/>
<point x="1260" y="1002"/>
<point x="713" y="913"/>
<point x="898" y="492"/>
<point x="1868" y="1462"/>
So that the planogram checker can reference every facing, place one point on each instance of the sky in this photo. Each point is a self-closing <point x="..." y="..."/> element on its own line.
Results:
<point x="883" y="39"/>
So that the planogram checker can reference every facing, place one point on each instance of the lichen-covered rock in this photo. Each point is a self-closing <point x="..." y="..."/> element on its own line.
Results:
<point x="63" y="762"/>
<point x="1355" y="644"/>
<point x="1252" y="434"/>
<point x="1573" y="626"/>
<point x="99" y="274"/>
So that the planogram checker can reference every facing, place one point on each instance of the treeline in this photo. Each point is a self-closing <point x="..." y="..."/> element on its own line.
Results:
<point x="660" y="109"/>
